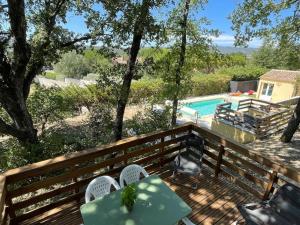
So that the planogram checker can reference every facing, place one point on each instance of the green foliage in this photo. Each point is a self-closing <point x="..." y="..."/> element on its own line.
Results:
<point x="54" y="142"/>
<point x="91" y="76"/>
<point x="259" y="18"/>
<point x="73" y="65"/>
<point x="209" y="84"/>
<point x="235" y="59"/>
<point x="145" y="91"/>
<point x="155" y="53"/>
<point x="241" y="73"/>
<point x="50" y="75"/>
<point x="95" y="59"/>
<point x="128" y="196"/>
<point x="273" y="56"/>
<point x="101" y="122"/>
<point x="148" y="121"/>
<point x="48" y="106"/>
<point x="84" y="96"/>
<point x="4" y="116"/>
<point x="167" y="69"/>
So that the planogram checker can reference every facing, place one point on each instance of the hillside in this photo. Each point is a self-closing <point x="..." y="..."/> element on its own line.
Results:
<point x="228" y="50"/>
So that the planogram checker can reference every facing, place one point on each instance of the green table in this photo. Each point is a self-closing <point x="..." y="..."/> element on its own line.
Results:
<point x="156" y="204"/>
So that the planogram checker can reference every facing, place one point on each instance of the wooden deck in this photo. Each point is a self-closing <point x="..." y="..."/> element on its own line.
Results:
<point x="51" y="191"/>
<point x="214" y="202"/>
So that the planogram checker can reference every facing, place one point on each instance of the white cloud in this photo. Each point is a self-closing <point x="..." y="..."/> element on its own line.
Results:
<point x="228" y="40"/>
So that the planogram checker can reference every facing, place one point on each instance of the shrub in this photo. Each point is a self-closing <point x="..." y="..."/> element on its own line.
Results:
<point x="50" y="75"/>
<point x="84" y="96"/>
<point x="145" y="90"/>
<point x="47" y="105"/>
<point x="55" y="141"/>
<point x="149" y="121"/>
<point x="101" y="123"/>
<point x="209" y="84"/>
<point x="242" y="73"/>
<point x="72" y="65"/>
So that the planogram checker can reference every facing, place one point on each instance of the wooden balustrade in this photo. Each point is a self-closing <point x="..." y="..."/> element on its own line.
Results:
<point x="263" y="126"/>
<point x="3" y="211"/>
<point x="37" y="188"/>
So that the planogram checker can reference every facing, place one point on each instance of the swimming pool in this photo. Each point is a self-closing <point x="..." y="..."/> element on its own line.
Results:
<point x="206" y="107"/>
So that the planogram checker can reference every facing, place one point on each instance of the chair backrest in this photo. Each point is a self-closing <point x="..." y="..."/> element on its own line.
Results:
<point x="286" y="202"/>
<point x="197" y="143"/>
<point x="100" y="187"/>
<point x="131" y="174"/>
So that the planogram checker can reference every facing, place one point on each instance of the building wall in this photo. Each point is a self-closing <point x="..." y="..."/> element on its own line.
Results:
<point x="281" y="90"/>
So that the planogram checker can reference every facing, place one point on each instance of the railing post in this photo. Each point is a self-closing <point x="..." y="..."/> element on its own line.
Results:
<point x="126" y="158"/>
<point x="219" y="160"/>
<point x="161" y="150"/>
<point x="3" y="199"/>
<point x="270" y="186"/>
<point x="10" y="210"/>
<point x="75" y="180"/>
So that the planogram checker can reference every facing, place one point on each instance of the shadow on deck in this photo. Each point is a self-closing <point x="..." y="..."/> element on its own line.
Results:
<point x="214" y="202"/>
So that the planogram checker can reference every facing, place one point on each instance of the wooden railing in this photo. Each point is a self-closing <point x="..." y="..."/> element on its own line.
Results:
<point x="40" y="187"/>
<point x="261" y="105"/>
<point x="272" y="123"/>
<point x="273" y="118"/>
<point x="3" y="211"/>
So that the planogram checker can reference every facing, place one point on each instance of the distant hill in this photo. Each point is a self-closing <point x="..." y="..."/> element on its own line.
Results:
<point x="228" y="50"/>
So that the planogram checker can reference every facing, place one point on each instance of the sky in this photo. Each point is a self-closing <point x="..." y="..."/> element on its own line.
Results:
<point x="217" y="11"/>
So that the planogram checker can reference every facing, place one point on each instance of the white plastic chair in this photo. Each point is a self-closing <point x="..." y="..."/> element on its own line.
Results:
<point x="131" y="174"/>
<point x="100" y="187"/>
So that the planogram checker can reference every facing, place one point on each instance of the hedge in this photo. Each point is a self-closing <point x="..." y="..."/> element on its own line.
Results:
<point x="145" y="90"/>
<point x="209" y="84"/>
<point x="151" y="89"/>
<point x="243" y="73"/>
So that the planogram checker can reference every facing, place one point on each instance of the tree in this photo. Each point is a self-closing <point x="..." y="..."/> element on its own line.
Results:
<point x="272" y="56"/>
<point x="183" y="23"/>
<point x="130" y="23"/>
<point x="95" y="59"/>
<point x="187" y="38"/>
<point x="73" y="65"/>
<point x="31" y="36"/>
<point x="292" y="125"/>
<point x="259" y="18"/>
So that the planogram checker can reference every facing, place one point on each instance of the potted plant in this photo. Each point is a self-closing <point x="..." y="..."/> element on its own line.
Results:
<point x="128" y="196"/>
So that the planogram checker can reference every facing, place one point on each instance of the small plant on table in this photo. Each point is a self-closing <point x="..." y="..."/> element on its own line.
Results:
<point x="128" y="196"/>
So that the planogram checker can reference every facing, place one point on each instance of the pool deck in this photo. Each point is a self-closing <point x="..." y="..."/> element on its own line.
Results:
<point x="210" y="97"/>
<point x="205" y="121"/>
<point x="283" y="153"/>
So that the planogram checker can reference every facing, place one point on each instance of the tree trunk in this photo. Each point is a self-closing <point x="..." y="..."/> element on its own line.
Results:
<point x="125" y="89"/>
<point x="22" y="127"/>
<point x="180" y="61"/>
<point x="293" y="125"/>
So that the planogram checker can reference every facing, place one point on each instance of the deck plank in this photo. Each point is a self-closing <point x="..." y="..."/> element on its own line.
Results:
<point x="214" y="202"/>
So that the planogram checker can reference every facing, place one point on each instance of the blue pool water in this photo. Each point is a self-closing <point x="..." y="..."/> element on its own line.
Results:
<point x="207" y="107"/>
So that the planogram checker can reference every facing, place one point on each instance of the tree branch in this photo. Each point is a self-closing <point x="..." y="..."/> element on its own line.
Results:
<point x="76" y="40"/>
<point x="34" y="69"/>
<point x="9" y="130"/>
<point x="16" y="12"/>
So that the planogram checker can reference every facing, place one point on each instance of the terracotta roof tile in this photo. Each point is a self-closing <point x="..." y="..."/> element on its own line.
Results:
<point x="281" y="75"/>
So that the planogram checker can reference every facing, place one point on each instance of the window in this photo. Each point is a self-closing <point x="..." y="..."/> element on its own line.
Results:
<point x="267" y="89"/>
<point x="270" y="89"/>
